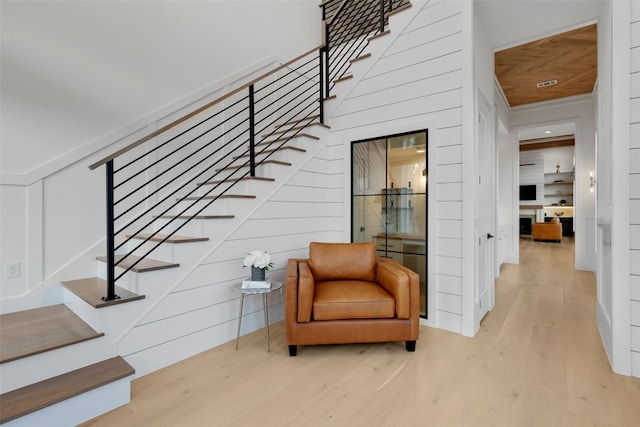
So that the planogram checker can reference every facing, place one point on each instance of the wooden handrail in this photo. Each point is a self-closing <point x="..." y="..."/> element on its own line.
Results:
<point x="198" y="111"/>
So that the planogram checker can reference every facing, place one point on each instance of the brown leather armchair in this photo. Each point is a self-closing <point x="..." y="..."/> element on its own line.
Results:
<point x="551" y="230"/>
<point x="343" y="294"/>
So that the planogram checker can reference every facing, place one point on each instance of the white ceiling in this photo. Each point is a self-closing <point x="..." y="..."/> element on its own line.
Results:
<point x="546" y="131"/>
<point x="509" y="23"/>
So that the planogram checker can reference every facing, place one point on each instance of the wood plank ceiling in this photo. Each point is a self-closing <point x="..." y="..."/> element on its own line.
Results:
<point x="570" y="58"/>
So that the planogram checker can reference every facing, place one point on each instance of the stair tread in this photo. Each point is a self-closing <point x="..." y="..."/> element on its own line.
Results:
<point x="286" y="138"/>
<point x="383" y="33"/>
<point x="343" y="78"/>
<point x="197" y="216"/>
<point x="259" y="163"/>
<point x="245" y="178"/>
<point x="220" y="196"/>
<point x="147" y="264"/>
<point x="273" y="150"/>
<point x="34" y="397"/>
<point x="290" y="122"/>
<point x="29" y="332"/>
<point x="360" y="58"/>
<point x="159" y="237"/>
<point x="92" y="289"/>
<point x="295" y="128"/>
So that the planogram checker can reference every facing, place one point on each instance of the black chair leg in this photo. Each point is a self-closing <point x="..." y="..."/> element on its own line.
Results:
<point x="293" y="350"/>
<point x="411" y="346"/>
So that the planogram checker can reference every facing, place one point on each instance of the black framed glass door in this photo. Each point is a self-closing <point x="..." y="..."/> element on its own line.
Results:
<point x="389" y="182"/>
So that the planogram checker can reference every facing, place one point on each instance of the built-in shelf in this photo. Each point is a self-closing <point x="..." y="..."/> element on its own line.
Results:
<point x="558" y="186"/>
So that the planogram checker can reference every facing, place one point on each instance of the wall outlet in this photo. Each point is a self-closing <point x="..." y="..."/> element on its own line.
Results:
<point x="12" y="269"/>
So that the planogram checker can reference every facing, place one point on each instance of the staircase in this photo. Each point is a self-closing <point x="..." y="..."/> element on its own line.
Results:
<point x="190" y="215"/>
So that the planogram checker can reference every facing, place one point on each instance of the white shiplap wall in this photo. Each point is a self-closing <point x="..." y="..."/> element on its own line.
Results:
<point x="202" y="311"/>
<point x="634" y="190"/>
<point x="419" y="80"/>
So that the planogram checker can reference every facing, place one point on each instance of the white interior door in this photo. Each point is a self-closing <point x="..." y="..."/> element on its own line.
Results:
<point x="484" y="215"/>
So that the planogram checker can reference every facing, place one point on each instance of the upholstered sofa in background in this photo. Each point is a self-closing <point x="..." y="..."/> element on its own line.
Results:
<point x="343" y="294"/>
<point x="551" y="230"/>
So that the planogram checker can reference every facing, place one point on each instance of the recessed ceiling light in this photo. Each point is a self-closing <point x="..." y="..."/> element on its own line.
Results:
<point x="547" y="131"/>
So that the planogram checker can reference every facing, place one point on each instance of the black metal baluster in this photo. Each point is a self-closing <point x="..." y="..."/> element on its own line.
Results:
<point x="382" y="16"/>
<point x="321" y="79"/>
<point x="326" y="62"/>
<point x="252" y="137"/>
<point x="111" y="262"/>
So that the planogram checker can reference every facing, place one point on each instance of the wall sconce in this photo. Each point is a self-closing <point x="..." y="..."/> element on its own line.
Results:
<point x="592" y="182"/>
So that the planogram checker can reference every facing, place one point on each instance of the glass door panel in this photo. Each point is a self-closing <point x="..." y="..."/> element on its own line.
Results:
<point x="389" y="199"/>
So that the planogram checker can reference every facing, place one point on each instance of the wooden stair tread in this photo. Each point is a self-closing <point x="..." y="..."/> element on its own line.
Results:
<point x="383" y="33"/>
<point x="259" y="163"/>
<point x="273" y="150"/>
<point x="92" y="289"/>
<point x="147" y="264"/>
<point x="25" y="400"/>
<point x="290" y="122"/>
<point x="175" y="239"/>
<point x="360" y="58"/>
<point x="197" y="216"/>
<point x="29" y="332"/>
<point x="220" y="196"/>
<point x="295" y="128"/>
<point x="244" y="178"/>
<point x="343" y="78"/>
<point x="286" y="138"/>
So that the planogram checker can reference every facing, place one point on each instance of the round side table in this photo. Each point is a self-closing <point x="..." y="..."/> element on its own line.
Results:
<point x="237" y="287"/>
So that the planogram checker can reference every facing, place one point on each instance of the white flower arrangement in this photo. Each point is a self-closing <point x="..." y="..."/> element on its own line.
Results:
<point x="258" y="259"/>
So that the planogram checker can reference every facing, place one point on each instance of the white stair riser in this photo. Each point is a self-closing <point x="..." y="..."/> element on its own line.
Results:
<point x="169" y="252"/>
<point x="39" y="367"/>
<point x="109" y="320"/>
<point x="80" y="408"/>
<point x="211" y="228"/>
<point x="148" y="283"/>
<point x="221" y="206"/>
<point x="283" y="155"/>
<point x="249" y="186"/>
<point x="268" y="169"/>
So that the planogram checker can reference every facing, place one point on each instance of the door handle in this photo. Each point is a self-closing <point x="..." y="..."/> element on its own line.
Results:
<point x="490" y="236"/>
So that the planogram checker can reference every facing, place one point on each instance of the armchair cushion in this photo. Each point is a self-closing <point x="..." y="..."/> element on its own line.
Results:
<point x="351" y="299"/>
<point x="340" y="261"/>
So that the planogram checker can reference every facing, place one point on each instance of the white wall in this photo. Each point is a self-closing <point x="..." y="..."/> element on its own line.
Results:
<point x="581" y="111"/>
<point x="419" y="85"/>
<point x="74" y="71"/>
<point x="82" y="79"/>
<point x="634" y="187"/>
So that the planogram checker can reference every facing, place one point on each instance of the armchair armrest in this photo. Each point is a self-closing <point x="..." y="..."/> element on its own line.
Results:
<point x="396" y="282"/>
<point x="306" y="286"/>
<point x="291" y="295"/>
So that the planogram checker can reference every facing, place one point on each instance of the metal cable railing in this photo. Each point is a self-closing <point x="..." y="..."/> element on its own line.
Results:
<point x="165" y="180"/>
<point x="194" y="161"/>
<point x="349" y="25"/>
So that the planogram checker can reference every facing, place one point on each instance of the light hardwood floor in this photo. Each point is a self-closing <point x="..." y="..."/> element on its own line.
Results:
<point x="536" y="361"/>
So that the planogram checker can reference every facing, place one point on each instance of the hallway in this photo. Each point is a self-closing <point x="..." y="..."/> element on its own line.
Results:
<point x="536" y="361"/>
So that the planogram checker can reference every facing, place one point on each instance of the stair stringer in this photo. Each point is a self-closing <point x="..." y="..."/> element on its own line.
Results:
<point x="398" y="22"/>
<point x="172" y="326"/>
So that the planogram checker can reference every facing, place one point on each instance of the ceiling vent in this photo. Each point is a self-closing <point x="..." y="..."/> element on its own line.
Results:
<point x="545" y="84"/>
